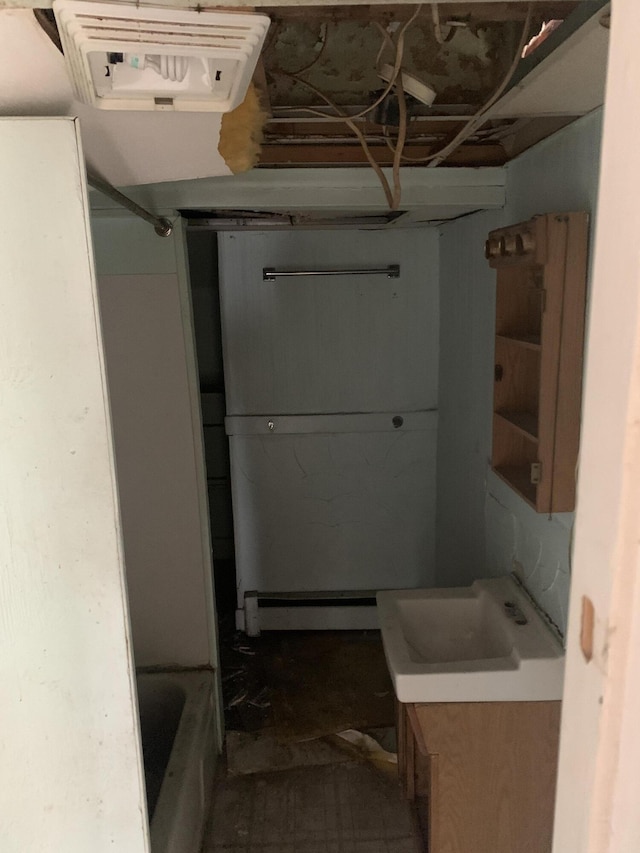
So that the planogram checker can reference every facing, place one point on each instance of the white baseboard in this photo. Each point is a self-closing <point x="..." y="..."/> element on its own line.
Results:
<point x="323" y="617"/>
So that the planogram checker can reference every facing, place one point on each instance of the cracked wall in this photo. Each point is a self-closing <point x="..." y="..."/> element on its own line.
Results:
<point x="484" y="528"/>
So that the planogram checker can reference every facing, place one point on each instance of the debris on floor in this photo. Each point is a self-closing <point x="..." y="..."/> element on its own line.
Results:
<point x="305" y="685"/>
<point x="262" y="753"/>
<point x="365" y="747"/>
<point x="310" y="747"/>
<point x="337" y="808"/>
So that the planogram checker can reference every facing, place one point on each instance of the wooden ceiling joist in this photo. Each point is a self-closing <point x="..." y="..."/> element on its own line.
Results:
<point x="498" y="12"/>
<point x="292" y="156"/>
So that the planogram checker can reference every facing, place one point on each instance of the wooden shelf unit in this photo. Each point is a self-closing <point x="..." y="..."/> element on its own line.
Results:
<point x="541" y="270"/>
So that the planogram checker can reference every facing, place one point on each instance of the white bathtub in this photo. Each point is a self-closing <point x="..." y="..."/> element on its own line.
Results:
<point x="178" y="724"/>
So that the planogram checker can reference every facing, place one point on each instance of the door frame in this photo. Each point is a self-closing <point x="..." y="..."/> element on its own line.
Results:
<point x="599" y="769"/>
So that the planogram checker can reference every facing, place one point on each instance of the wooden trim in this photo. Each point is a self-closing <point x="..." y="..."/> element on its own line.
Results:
<point x="474" y="11"/>
<point x="455" y="7"/>
<point x="550" y="359"/>
<point x="352" y="154"/>
<point x="434" y="804"/>
<point x="569" y="388"/>
<point x="416" y="730"/>
<point x="547" y="255"/>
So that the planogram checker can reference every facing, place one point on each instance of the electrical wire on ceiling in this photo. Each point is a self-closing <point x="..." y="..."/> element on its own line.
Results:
<point x="434" y="159"/>
<point x="323" y="38"/>
<point x="437" y="26"/>
<point x="393" y="196"/>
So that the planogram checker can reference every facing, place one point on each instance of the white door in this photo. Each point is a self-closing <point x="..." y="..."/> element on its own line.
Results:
<point x="599" y="774"/>
<point x="70" y="761"/>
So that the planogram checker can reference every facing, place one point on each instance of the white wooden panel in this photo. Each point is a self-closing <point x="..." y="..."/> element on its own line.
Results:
<point x="570" y="81"/>
<point x="338" y="344"/>
<point x="430" y="193"/>
<point x="70" y="764"/>
<point x="154" y="441"/>
<point x="328" y="618"/>
<point x="334" y="511"/>
<point x="301" y="424"/>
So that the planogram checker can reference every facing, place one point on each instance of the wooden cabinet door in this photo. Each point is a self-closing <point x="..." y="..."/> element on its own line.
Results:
<point x="482" y="774"/>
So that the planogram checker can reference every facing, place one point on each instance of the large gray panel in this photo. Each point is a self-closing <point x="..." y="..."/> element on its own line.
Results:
<point x="340" y="344"/>
<point x="334" y="511"/>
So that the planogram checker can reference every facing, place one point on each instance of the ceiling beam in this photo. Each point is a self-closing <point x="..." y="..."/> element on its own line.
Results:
<point x="469" y="11"/>
<point x="247" y="5"/>
<point x="292" y="156"/>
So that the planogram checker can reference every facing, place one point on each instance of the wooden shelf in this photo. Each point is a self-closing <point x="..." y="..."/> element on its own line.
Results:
<point x="520" y="481"/>
<point x="531" y="342"/>
<point x="526" y="423"/>
<point x="540" y="300"/>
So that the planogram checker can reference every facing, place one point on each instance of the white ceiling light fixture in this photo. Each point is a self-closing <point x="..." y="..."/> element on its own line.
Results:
<point x="122" y="57"/>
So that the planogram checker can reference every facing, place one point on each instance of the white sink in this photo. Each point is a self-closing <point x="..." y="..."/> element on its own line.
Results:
<point x="483" y="643"/>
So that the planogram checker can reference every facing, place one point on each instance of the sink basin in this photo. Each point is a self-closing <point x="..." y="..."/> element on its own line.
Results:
<point x="483" y="643"/>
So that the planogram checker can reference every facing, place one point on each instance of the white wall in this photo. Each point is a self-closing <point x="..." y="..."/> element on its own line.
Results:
<point x="151" y="374"/>
<point x="70" y="765"/>
<point x="467" y="307"/>
<point x="484" y="527"/>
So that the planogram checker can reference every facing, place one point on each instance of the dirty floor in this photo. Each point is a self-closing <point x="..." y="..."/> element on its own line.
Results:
<point x="340" y="808"/>
<point x="300" y="685"/>
<point x="290" y="783"/>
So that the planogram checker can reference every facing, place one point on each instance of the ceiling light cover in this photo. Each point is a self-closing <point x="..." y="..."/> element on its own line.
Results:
<point x="122" y="57"/>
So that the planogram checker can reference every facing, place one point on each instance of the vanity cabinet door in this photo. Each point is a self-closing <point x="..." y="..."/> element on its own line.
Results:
<point x="406" y="751"/>
<point x="482" y="774"/>
<point x="418" y="770"/>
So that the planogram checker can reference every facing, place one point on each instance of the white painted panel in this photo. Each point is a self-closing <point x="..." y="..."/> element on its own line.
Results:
<point x="430" y="193"/>
<point x="570" y="81"/>
<point x="334" y="511"/>
<point x="467" y="312"/>
<point x="560" y="173"/>
<point x="70" y="768"/>
<point x="337" y="344"/>
<point x="301" y="424"/>
<point x="154" y="441"/>
<point x="330" y="618"/>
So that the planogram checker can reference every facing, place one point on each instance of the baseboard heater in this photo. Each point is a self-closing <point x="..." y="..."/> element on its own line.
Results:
<point x="328" y="610"/>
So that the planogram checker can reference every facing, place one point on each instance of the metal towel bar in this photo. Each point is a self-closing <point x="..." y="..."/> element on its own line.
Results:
<point x="271" y="274"/>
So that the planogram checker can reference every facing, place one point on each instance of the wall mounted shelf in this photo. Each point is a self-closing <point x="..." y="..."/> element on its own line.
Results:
<point x="540" y="305"/>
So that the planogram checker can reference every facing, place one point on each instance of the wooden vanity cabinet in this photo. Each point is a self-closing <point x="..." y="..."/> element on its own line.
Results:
<point x="541" y="269"/>
<point x="481" y="775"/>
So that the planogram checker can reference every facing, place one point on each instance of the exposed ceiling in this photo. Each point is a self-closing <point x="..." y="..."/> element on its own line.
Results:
<point x="335" y="51"/>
